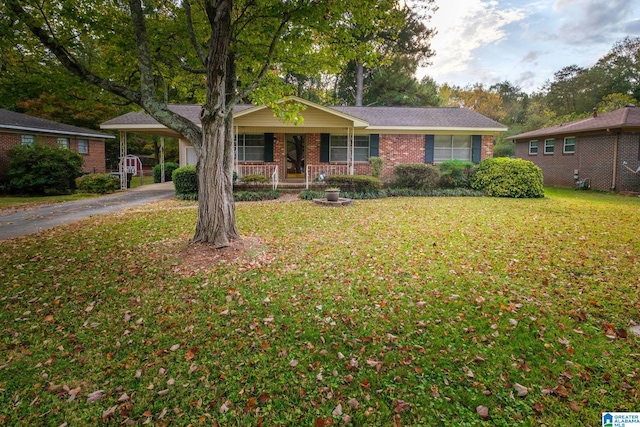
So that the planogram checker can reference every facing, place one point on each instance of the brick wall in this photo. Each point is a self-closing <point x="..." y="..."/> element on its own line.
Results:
<point x="593" y="158"/>
<point x="395" y="149"/>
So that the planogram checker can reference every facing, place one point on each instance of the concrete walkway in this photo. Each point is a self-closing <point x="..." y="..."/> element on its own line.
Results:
<point x="29" y="221"/>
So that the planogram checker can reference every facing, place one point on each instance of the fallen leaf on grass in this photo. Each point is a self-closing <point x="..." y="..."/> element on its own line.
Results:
<point x="95" y="396"/>
<point x="522" y="390"/>
<point x="337" y="411"/>
<point x="483" y="412"/>
<point x="109" y="413"/>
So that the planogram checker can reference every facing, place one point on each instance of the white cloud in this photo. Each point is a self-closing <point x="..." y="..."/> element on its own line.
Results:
<point x="591" y="21"/>
<point x="464" y="26"/>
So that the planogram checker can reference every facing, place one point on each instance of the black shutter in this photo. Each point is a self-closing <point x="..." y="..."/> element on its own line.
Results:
<point x="268" y="147"/>
<point x="429" y="144"/>
<point x="324" y="147"/>
<point x="374" y="145"/>
<point x="476" y="148"/>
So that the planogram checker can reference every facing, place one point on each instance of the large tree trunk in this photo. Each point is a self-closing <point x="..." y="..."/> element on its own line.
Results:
<point x="216" y="212"/>
<point x="359" y="83"/>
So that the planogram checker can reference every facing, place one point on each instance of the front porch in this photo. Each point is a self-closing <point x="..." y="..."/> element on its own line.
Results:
<point x="313" y="176"/>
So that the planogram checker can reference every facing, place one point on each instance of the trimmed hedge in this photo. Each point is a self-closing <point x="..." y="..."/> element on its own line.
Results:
<point x="505" y="177"/>
<point x="456" y="173"/>
<point x="185" y="181"/>
<point x="169" y="167"/>
<point x="256" y="196"/>
<point x="254" y="179"/>
<point x="98" y="183"/>
<point x="417" y="176"/>
<point x="354" y="183"/>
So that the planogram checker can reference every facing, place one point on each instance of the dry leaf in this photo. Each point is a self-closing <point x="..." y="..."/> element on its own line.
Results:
<point x="175" y="347"/>
<point x="293" y="363"/>
<point x="522" y="390"/>
<point x="163" y="392"/>
<point x="225" y="407"/>
<point x="123" y="398"/>
<point x="353" y="403"/>
<point x="109" y="413"/>
<point x="337" y="411"/>
<point x="95" y="396"/>
<point x="483" y="412"/>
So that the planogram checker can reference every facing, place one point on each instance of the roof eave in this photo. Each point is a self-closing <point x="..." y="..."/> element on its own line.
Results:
<point x="57" y="132"/>
<point x="437" y="128"/>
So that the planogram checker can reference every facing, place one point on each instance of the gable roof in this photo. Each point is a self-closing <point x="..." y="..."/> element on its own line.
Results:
<point x="369" y="118"/>
<point x="623" y="118"/>
<point x="13" y="121"/>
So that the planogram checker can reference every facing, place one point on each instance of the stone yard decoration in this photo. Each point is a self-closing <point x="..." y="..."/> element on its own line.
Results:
<point x="332" y="198"/>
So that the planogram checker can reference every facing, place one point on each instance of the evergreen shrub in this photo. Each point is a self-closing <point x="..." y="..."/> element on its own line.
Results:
<point x="455" y="173"/>
<point x="98" y="183"/>
<point x="354" y="183"/>
<point x="185" y="181"/>
<point x="43" y="169"/>
<point x="169" y="167"/>
<point x="417" y="176"/>
<point x="505" y="177"/>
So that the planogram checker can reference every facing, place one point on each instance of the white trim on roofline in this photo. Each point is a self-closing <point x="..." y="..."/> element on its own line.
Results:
<point x="55" y="132"/>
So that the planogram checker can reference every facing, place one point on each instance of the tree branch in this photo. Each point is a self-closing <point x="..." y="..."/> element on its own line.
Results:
<point x="192" y="33"/>
<point x="267" y="64"/>
<point x="147" y="86"/>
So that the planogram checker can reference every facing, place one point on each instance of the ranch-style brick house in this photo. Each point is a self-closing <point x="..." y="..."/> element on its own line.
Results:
<point x="336" y="140"/>
<point x="16" y="129"/>
<point x="602" y="150"/>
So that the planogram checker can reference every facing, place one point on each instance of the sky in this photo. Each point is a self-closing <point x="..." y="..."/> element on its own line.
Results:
<point x="524" y="41"/>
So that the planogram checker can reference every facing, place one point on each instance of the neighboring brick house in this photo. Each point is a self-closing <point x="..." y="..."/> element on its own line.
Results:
<point x="16" y="129"/>
<point x="602" y="150"/>
<point x="337" y="139"/>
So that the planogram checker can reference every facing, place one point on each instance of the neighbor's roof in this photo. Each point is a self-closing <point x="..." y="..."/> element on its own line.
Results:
<point x="627" y="117"/>
<point x="13" y="121"/>
<point x="418" y="118"/>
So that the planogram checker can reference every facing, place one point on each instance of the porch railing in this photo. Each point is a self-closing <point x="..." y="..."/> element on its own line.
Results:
<point x="320" y="172"/>
<point x="270" y="171"/>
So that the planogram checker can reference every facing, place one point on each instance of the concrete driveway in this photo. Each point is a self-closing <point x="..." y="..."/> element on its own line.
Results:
<point x="29" y="221"/>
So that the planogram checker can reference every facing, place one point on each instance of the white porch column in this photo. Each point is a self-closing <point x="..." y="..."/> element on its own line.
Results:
<point x="352" y="144"/>
<point x="123" y="153"/>
<point x="162" y="159"/>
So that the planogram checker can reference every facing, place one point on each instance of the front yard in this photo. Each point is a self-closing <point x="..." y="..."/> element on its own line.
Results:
<point x="421" y="311"/>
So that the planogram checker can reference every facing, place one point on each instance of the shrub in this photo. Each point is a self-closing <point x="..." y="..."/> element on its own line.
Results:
<point x="417" y="176"/>
<point x="43" y="169"/>
<point x="185" y="181"/>
<point x="455" y="173"/>
<point x="376" y="166"/>
<point x="255" y="196"/>
<point x="169" y="167"/>
<point x="354" y="183"/>
<point x="254" y="179"/>
<point x="505" y="177"/>
<point x="99" y="183"/>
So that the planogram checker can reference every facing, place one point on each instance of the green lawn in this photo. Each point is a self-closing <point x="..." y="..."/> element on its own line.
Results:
<point x="390" y="312"/>
<point x="18" y="202"/>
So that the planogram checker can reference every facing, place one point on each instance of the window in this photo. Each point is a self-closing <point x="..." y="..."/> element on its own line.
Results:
<point x="549" y="146"/>
<point x="451" y="147"/>
<point x="27" y="139"/>
<point x="83" y="146"/>
<point x="569" y="145"/>
<point x="533" y="147"/>
<point x="338" y="148"/>
<point x="63" y="142"/>
<point x="250" y="148"/>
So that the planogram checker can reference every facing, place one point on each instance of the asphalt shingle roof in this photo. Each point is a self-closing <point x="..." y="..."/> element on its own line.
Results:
<point x="15" y="121"/>
<point x="376" y="116"/>
<point x="627" y="117"/>
<point x="421" y="117"/>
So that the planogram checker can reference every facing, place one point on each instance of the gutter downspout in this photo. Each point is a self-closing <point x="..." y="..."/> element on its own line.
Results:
<point x="614" y="178"/>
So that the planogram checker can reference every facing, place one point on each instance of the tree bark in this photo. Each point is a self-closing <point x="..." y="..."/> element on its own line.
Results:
<point x="359" y="83"/>
<point x="216" y="211"/>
